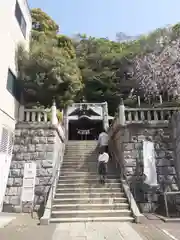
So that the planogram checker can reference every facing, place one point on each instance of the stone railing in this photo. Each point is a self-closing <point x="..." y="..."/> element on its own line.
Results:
<point x="140" y="115"/>
<point x="152" y="115"/>
<point x="35" y="115"/>
<point x="38" y="115"/>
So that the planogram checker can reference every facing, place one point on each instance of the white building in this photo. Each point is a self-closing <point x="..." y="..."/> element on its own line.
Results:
<point x="15" y="27"/>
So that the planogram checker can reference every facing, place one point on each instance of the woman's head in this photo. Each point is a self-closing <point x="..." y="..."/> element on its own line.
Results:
<point x="101" y="151"/>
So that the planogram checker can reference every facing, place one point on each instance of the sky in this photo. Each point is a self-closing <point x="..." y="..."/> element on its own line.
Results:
<point x="104" y="18"/>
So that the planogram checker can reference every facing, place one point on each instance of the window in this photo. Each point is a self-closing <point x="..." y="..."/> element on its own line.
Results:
<point x="13" y="86"/>
<point x="4" y="141"/>
<point x="20" y="18"/>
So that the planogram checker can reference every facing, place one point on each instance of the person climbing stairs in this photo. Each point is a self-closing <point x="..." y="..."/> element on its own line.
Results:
<point x="79" y="196"/>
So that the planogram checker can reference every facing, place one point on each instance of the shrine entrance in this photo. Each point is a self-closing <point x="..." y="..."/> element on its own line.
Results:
<point x="85" y="121"/>
<point x="84" y="129"/>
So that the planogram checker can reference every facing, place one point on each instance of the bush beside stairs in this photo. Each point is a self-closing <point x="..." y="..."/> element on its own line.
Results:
<point x="79" y="196"/>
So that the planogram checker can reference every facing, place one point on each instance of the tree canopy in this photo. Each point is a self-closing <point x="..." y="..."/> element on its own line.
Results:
<point x="49" y="70"/>
<point x="97" y="69"/>
<point x="42" y="22"/>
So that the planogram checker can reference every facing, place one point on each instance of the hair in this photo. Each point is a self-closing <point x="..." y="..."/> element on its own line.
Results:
<point x="101" y="150"/>
<point x="103" y="130"/>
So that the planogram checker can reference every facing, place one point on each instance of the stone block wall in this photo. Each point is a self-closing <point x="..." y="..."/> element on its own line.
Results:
<point x="126" y="142"/>
<point x="43" y="144"/>
<point x="175" y="133"/>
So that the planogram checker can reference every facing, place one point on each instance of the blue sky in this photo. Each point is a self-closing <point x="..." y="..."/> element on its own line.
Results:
<point x="104" y="18"/>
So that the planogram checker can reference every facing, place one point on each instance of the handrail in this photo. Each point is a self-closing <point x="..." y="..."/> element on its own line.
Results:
<point x="152" y="108"/>
<point x="122" y="173"/>
<point x="47" y="193"/>
<point x="37" y="110"/>
<point x="138" y="217"/>
<point x="54" y="182"/>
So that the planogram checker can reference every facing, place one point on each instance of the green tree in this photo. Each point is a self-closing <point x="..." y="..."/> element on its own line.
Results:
<point x="46" y="72"/>
<point x="42" y="22"/>
<point x="49" y="70"/>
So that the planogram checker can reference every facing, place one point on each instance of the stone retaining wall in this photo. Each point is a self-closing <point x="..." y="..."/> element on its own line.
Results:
<point x="126" y="142"/>
<point x="43" y="144"/>
<point x="175" y="133"/>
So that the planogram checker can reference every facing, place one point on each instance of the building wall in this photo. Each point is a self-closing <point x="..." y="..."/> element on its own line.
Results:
<point x="11" y="35"/>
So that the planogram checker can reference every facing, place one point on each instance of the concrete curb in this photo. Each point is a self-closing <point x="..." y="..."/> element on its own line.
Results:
<point x="138" y="217"/>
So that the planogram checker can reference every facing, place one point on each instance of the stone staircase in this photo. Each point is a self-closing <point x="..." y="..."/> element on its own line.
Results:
<point x="79" y="195"/>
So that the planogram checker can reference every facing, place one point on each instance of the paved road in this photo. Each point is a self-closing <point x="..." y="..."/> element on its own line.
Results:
<point x="95" y="231"/>
<point x="23" y="227"/>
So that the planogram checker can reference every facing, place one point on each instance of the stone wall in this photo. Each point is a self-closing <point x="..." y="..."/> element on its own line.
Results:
<point x="43" y="144"/>
<point x="175" y="133"/>
<point x="126" y="142"/>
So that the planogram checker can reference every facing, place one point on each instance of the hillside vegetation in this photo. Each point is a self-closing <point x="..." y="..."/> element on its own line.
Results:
<point x="97" y="69"/>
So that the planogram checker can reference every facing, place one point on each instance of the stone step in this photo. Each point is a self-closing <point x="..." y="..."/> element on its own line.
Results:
<point x="86" y="181"/>
<point x="89" y="195"/>
<point x="81" y="150"/>
<point x="77" y="163"/>
<point x="81" y="169"/>
<point x="77" y="160"/>
<point x="95" y="184"/>
<point x="80" y="153"/>
<point x="84" y="176"/>
<point x="88" y="190"/>
<point x="79" y="174"/>
<point x="90" y="213"/>
<point x="72" y="162"/>
<point x="77" y="156"/>
<point x="87" y="200"/>
<point x="80" y="164"/>
<point x="81" y="143"/>
<point x="92" y="219"/>
<point x="69" y="162"/>
<point x="93" y="206"/>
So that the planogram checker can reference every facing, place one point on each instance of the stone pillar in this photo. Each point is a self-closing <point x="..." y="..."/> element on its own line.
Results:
<point x="21" y="113"/>
<point x="66" y="123"/>
<point x="105" y="116"/>
<point x="122" y="113"/>
<point x="54" y="119"/>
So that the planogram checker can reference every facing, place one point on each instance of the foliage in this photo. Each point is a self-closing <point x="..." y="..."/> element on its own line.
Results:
<point x="49" y="70"/>
<point x="97" y="69"/>
<point x="46" y="73"/>
<point x="41" y="22"/>
<point x="111" y="69"/>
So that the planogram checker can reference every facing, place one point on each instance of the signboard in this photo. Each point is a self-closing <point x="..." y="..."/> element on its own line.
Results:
<point x="29" y="182"/>
<point x="149" y="163"/>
